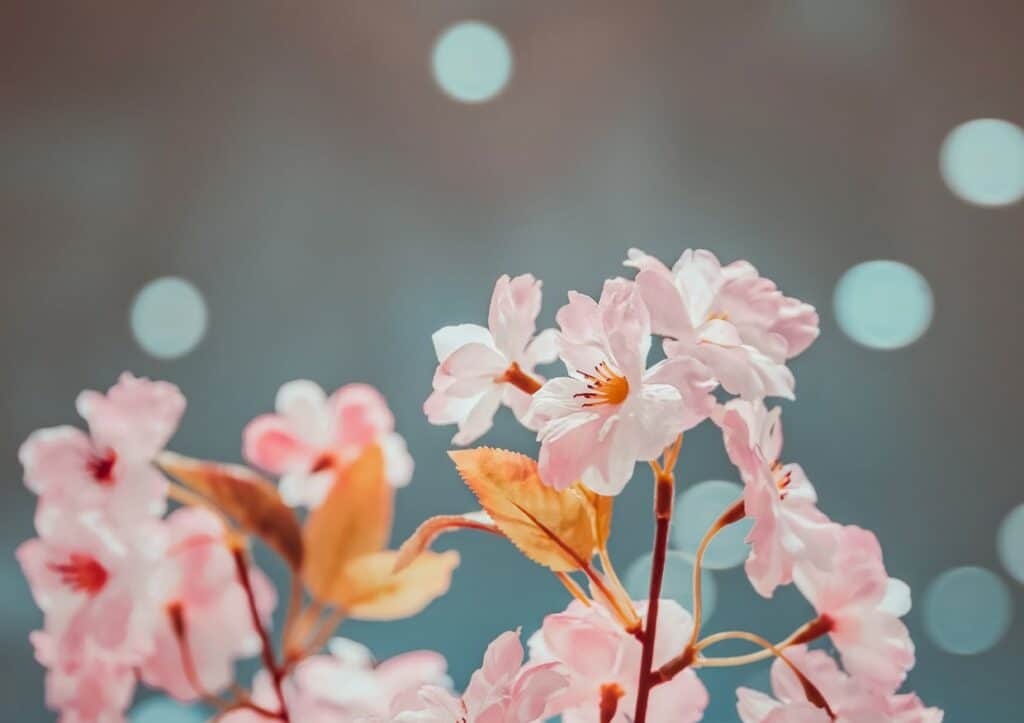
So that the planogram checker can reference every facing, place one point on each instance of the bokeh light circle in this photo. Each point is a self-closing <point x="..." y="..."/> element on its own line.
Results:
<point x="677" y="584"/>
<point x="982" y="162"/>
<point x="166" y="710"/>
<point x="168" y="317"/>
<point x="697" y="509"/>
<point x="472" y="62"/>
<point x="1010" y="543"/>
<point x="967" y="610"/>
<point x="883" y="304"/>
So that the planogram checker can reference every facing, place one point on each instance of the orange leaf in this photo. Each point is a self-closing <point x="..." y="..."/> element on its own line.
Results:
<point x="249" y="499"/>
<point x="426" y="533"/>
<point x="354" y="520"/>
<point x="372" y="590"/>
<point x="554" y="528"/>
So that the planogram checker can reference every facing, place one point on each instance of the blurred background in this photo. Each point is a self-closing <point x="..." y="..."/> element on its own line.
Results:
<point x="231" y="195"/>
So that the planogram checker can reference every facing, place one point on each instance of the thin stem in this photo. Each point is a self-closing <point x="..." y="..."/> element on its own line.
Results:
<point x="664" y="495"/>
<point x="805" y="633"/>
<point x="574" y="589"/>
<point x="176" y="613"/>
<point x="734" y="513"/>
<point x="267" y="648"/>
<point x="814" y="695"/>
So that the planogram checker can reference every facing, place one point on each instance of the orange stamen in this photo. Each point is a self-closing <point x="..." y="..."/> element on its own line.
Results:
<point x="605" y="387"/>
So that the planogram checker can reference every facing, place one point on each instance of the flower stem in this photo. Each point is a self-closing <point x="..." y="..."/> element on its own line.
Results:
<point x="176" y="614"/>
<point x="515" y="376"/>
<point x="276" y="673"/>
<point x="734" y="513"/>
<point x="664" y="496"/>
<point x="574" y="589"/>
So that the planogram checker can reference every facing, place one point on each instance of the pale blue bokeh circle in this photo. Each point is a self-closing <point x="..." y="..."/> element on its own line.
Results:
<point x="168" y="317"/>
<point x="472" y="62"/>
<point x="1010" y="543"/>
<point x="883" y="304"/>
<point x="967" y="610"/>
<point x="982" y="162"/>
<point x="677" y="583"/>
<point x="166" y="710"/>
<point x="697" y="509"/>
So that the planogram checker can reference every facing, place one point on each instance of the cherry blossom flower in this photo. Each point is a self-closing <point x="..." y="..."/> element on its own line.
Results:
<point x="482" y="368"/>
<point x="346" y="686"/>
<point x="611" y="411"/>
<point x="311" y="435"/>
<point x="109" y="467"/>
<point x="502" y="691"/>
<point x="87" y="689"/>
<point x="860" y="606"/>
<point x="595" y="651"/>
<point x="736" y="322"/>
<point x="848" y="699"/>
<point x="780" y="499"/>
<point x="95" y="585"/>
<point x="203" y="591"/>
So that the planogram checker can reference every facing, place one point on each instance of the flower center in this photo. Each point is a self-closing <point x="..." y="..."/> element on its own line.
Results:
<point x="322" y="463"/>
<point x="782" y="480"/>
<point x="101" y="467"/>
<point x="81" y="573"/>
<point x="604" y="387"/>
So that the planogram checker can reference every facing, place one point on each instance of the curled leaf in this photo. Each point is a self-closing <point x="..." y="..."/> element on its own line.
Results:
<point x="353" y="521"/>
<point x="554" y="528"/>
<point x="250" y="500"/>
<point x="372" y="590"/>
<point x="424" y="536"/>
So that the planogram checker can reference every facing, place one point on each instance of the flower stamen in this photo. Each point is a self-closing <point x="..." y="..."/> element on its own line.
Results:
<point x="101" y="467"/>
<point x="605" y="387"/>
<point x="81" y="573"/>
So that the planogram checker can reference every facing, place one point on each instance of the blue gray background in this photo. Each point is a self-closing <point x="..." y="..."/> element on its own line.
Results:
<point x="299" y="165"/>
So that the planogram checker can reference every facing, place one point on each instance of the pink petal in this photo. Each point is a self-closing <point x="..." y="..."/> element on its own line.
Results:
<point x="270" y="442"/>
<point x="137" y="416"/>
<point x="55" y="458"/>
<point x="515" y="304"/>
<point x="361" y="415"/>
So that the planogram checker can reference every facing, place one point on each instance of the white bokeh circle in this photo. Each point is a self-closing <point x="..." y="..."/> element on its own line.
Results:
<point x="1010" y="543"/>
<point x="967" y="610"/>
<point x="982" y="162"/>
<point x="883" y="304"/>
<point x="168" y="317"/>
<point x="472" y="62"/>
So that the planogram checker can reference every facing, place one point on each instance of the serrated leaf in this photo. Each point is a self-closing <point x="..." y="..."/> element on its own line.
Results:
<point x="353" y="521"/>
<point x="553" y="528"/>
<point x="372" y="590"/>
<point x="424" y="536"/>
<point x="247" y="498"/>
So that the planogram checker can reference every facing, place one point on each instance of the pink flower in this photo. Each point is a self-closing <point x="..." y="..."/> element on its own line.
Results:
<point x="201" y="584"/>
<point x="480" y="368"/>
<point x="594" y="650"/>
<point x="860" y="606"/>
<point x="848" y="699"/>
<point x="502" y="691"/>
<point x="90" y="689"/>
<point x="345" y="686"/>
<point x="95" y="585"/>
<point x="312" y="434"/>
<point x="737" y="323"/>
<point x="109" y="467"/>
<point x="788" y="526"/>
<point x="612" y="412"/>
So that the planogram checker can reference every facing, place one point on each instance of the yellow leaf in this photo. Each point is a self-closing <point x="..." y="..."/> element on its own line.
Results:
<point x="551" y="527"/>
<point x="372" y="590"/>
<point x="430" y="530"/>
<point x="601" y="507"/>
<point x="353" y="521"/>
<point x="250" y="500"/>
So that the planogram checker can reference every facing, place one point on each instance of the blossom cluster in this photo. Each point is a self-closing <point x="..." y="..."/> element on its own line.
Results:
<point x="131" y="593"/>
